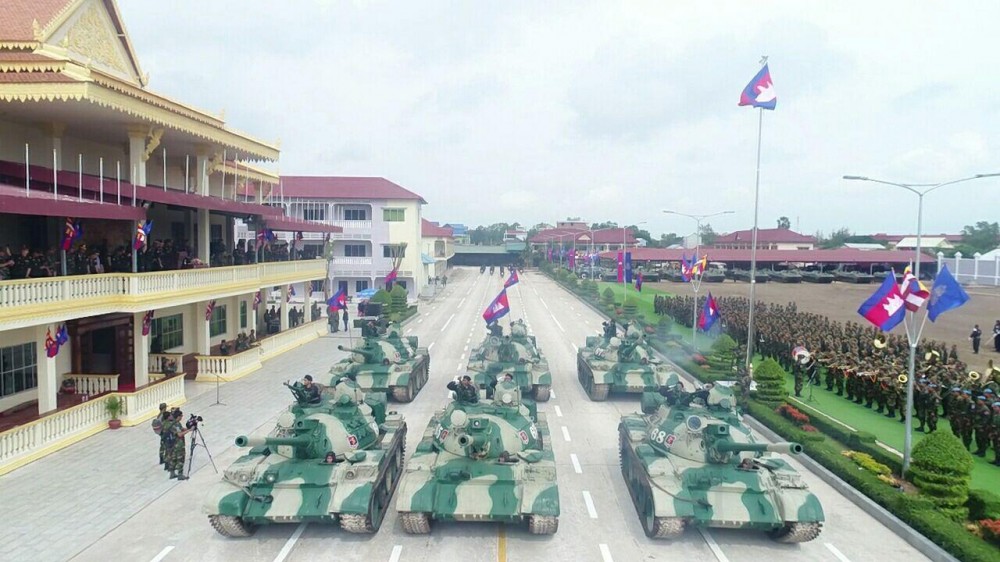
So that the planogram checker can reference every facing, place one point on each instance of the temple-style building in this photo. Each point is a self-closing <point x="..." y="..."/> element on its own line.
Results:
<point x="117" y="208"/>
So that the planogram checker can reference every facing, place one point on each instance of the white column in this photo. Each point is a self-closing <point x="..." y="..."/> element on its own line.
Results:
<point x="136" y="153"/>
<point x="283" y="315"/>
<point x="232" y="318"/>
<point x="975" y="266"/>
<point x="202" y="339"/>
<point x="201" y="172"/>
<point x="307" y="301"/>
<point x="58" y="130"/>
<point x="204" y="235"/>
<point x="48" y="385"/>
<point x="140" y="352"/>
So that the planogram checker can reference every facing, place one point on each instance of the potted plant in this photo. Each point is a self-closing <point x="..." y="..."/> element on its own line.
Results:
<point x="68" y="386"/>
<point x="113" y="406"/>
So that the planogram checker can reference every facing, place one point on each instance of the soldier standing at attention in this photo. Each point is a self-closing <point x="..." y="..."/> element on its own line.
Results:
<point x="976" y="336"/>
<point x="981" y="423"/>
<point x="158" y="422"/>
<point x="996" y="433"/>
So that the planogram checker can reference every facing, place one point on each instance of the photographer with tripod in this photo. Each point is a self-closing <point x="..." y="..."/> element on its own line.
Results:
<point x="173" y="433"/>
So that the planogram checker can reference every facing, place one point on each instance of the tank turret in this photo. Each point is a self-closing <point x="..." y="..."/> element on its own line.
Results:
<point x="378" y="366"/>
<point x="689" y="459"/>
<point x="515" y="354"/>
<point x="621" y="364"/>
<point x="368" y="353"/>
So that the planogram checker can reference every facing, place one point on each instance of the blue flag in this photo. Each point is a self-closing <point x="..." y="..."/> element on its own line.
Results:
<point x="945" y="295"/>
<point x="628" y="267"/>
<point x="497" y="309"/>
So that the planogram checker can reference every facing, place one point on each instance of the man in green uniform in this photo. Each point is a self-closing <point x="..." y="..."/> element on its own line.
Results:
<point x="464" y="390"/>
<point x="176" y="452"/>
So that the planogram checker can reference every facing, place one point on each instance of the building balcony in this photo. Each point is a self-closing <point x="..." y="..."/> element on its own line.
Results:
<point x="31" y="302"/>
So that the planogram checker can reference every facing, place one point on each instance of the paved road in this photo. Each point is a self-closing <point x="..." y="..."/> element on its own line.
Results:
<point x="127" y="511"/>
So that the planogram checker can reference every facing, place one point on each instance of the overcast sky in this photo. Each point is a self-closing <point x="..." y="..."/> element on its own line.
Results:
<point x="534" y="111"/>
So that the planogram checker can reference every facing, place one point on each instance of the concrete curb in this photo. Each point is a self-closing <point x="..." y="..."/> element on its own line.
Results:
<point x="926" y="547"/>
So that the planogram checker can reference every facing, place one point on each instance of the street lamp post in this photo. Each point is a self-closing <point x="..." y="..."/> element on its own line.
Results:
<point x="912" y="329"/>
<point x="696" y="284"/>
<point x="624" y="248"/>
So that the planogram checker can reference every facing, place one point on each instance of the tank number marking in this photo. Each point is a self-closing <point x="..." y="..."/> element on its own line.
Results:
<point x="534" y="431"/>
<point x="662" y="437"/>
<point x="442" y="433"/>
<point x="352" y="440"/>
<point x="523" y="435"/>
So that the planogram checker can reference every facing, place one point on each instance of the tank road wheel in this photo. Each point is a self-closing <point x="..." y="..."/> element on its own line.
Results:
<point x="231" y="526"/>
<point x="543" y="524"/>
<point x="416" y="523"/>
<point x="542" y="392"/>
<point x="403" y="393"/>
<point x="599" y="392"/>
<point x="796" y="532"/>
<point x="666" y="528"/>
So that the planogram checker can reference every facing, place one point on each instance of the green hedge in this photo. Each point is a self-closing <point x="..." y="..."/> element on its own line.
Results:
<point x="858" y="440"/>
<point x="770" y="378"/>
<point x="920" y="513"/>
<point x="983" y="504"/>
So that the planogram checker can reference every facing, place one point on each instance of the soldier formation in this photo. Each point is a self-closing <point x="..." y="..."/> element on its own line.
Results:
<point x="862" y="364"/>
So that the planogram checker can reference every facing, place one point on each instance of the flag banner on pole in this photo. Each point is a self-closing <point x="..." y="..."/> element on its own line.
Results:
<point x="257" y="298"/>
<point x="638" y="282"/>
<point x="697" y="267"/>
<point x="497" y="309"/>
<point x="208" y="310"/>
<point x="512" y="280"/>
<point x="760" y="91"/>
<point x="945" y="295"/>
<point x="62" y="336"/>
<point x="914" y="292"/>
<point x="885" y="308"/>
<point x="51" y="347"/>
<point x="147" y="322"/>
<point x="290" y="293"/>
<point x="72" y="233"/>
<point x="338" y="301"/>
<point x="142" y="231"/>
<point x="687" y="267"/>
<point x="390" y="278"/>
<point x="621" y="267"/>
<point x="709" y="314"/>
<point x="572" y="260"/>
<point x="628" y="267"/>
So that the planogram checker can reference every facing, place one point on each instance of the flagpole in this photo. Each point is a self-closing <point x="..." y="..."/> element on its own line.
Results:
<point x="753" y="245"/>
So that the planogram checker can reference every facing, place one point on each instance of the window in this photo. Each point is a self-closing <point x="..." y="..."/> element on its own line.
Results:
<point x="314" y="214"/>
<point x="355" y="214"/>
<point x="243" y="314"/>
<point x="18" y="370"/>
<point x="169" y="330"/>
<point x="217" y="325"/>
<point x="393" y="251"/>
<point x="316" y="285"/>
<point x="399" y="282"/>
<point x="393" y="215"/>
<point x="360" y="285"/>
<point x="342" y="286"/>
<point x="355" y="250"/>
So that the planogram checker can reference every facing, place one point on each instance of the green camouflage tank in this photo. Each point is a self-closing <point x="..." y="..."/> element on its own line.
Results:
<point x="285" y="477"/>
<point x="482" y="461"/>
<point x="517" y="355"/>
<point x="392" y="364"/>
<point x="689" y="460"/>
<point x="621" y="365"/>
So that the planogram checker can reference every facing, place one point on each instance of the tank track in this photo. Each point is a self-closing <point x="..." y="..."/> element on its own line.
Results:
<point x="797" y="532"/>
<point x="231" y="526"/>
<point x="542" y="392"/>
<point x="599" y="392"/>
<point x="543" y="524"/>
<point x="417" y="381"/>
<point x="654" y="527"/>
<point x="668" y="528"/>
<point x="382" y="490"/>
<point x="355" y="523"/>
<point x="418" y="523"/>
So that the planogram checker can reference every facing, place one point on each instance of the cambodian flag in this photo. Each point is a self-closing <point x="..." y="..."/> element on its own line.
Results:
<point x="572" y="260"/>
<point x="686" y="267"/>
<point x="62" y="335"/>
<point x="512" y="280"/>
<point x="51" y="347"/>
<point x="142" y="233"/>
<point x="72" y="233"/>
<point x="760" y="91"/>
<point x="338" y="301"/>
<point x="497" y="309"/>
<point x="885" y="308"/>
<point x="390" y="278"/>
<point x="257" y="298"/>
<point x="147" y="322"/>
<point x="709" y="314"/>
<point x="291" y="293"/>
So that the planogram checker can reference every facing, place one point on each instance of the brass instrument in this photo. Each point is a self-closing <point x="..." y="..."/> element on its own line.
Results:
<point x="902" y="379"/>
<point x="974" y="376"/>
<point x="933" y="354"/>
<point x="880" y="341"/>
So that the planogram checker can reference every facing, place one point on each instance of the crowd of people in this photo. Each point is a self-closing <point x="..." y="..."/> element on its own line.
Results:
<point x="866" y="366"/>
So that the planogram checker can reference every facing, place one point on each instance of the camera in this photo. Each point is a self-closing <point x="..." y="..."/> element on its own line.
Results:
<point x="192" y="422"/>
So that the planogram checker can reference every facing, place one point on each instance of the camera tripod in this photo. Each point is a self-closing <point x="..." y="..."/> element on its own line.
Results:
<point x="195" y="437"/>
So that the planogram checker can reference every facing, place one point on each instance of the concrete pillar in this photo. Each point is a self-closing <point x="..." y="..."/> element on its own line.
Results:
<point x="283" y="315"/>
<point x="137" y="153"/>
<point x="204" y="236"/>
<point x="57" y="130"/>
<point x="232" y="318"/>
<point x="202" y="339"/>
<point x="201" y="171"/>
<point x="48" y="383"/>
<point x="307" y="301"/>
<point x="140" y="353"/>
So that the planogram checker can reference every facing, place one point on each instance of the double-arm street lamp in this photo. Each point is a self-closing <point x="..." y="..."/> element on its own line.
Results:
<point x="696" y="283"/>
<point x="912" y="329"/>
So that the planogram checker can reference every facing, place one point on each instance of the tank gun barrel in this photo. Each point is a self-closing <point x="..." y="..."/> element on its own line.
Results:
<point x="473" y="440"/>
<point x="368" y="354"/>
<point x="733" y="447"/>
<point x="297" y="441"/>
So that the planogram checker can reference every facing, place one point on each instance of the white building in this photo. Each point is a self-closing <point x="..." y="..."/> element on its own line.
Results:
<point x="437" y="247"/>
<point x="380" y="221"/>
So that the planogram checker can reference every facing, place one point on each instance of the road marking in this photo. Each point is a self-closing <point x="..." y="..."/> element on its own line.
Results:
<point x="163" y="553"/>
<point x="713" y="546"/>
<point x="461" y="303"/>
<point x="459" y="366"/>
<point x="287" y="549"/>
<point x="576" y="463"/>
<point x="565" y="431"/>
<point x="606" y="553"/>
<point x="590" y="505"/>
<point x="420" y="320"/>
<point x="840" y="555"/>
<point x="558" y="324"/>
<point x="462" y="357"/>
<point x="448" y="322"/>
<point x="409" y="330"/>
<point x="546" y="306"/>
<point x="501" y="543"/>
<point x="575" y="348"/>
<point x="466" y="348"/>
<point x="558" y="411"/>
<point x="396" y="551"/>
<point x="430" y="346"/>
<point x="552" y="393"/>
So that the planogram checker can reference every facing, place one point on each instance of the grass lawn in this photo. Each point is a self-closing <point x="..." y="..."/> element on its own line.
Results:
<point x="888" y="430"/>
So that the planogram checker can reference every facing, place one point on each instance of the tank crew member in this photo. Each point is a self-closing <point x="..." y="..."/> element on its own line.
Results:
<point x="311" y="390"/>
<point x="465" y="391"/>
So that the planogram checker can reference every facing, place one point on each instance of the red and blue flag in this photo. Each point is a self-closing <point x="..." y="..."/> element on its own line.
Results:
<point x="497" y="309"/>
<point x="72" y="233"/>
<point x="338" y="301"/>
<point x="512" y="280"/>
<point x="709" y="314"/>
<point x="142" y="230"/>
<point x="760" y="91"/>
<point x="885" y="309"/>
<point x="638" y="282"/>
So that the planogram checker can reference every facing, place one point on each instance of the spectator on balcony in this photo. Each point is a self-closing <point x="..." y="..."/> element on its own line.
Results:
<point x="21" y="266"/>
<point x="96" y="266"/>
<point x="239" y="254"/>
<point x="252" y="338"/>
<point x="6" y="261"/>
<point x="315" y="312"/>
<point x="223" y="347"/>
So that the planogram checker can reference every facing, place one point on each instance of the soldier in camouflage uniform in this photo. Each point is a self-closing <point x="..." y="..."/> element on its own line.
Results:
<point x="955" y="401"/>
<point x="933" y="400"/>
<point x="996" y="433"/>
<point x="465" y="391"/>
<point x="982" y="424"/>
<point x="176" y="453"/>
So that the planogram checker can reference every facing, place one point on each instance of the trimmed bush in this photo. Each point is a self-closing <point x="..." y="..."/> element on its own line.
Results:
<point x="608" y="297"/>
<point x="941" y="469"/>
<point x="724" y="345"/>
<point x="382" y="296"/>
<point x="630" y="307"/>
<point x="770" y="378"/>
<point x="983" y="504"/>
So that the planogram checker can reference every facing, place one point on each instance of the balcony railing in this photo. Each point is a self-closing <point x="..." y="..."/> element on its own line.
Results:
<point x="351" y="260"/>
<point x="353" y="226"/>
<point x="91" y="385"/>
<point x="54" y="299"/>
<point x="228" y="368"/>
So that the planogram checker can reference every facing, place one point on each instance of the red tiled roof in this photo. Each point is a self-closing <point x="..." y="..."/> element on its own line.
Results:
<point x="567" y="235"/>
<point x="839" y="255"/>
<point x="431" y="230"/>
<point x="16" y="17"/>
<point x="765" y="236"/>
<point x="342" y="187"/>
